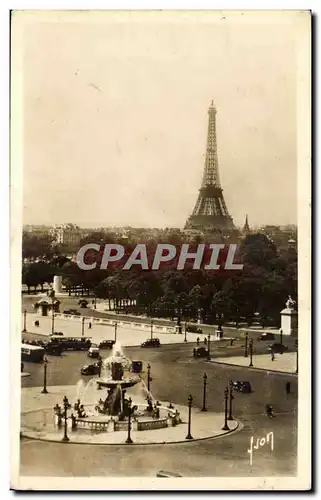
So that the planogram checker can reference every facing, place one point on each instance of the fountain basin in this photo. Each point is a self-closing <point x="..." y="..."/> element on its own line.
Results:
<point x="141" y="422"/>
<point x="124" y="383"/>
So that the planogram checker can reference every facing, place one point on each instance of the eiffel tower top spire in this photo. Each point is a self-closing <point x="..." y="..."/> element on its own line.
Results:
<point x="211" y="175"/>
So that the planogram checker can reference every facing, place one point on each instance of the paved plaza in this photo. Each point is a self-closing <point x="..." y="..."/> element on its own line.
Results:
<point x="175" y="375"/>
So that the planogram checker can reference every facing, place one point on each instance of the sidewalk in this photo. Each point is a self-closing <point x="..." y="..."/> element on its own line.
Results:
<point x="285" y="363"/>
<point x="37" y="422"/>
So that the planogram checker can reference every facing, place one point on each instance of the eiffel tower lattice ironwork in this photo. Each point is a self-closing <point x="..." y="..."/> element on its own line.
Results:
<point x="210" y="211"/>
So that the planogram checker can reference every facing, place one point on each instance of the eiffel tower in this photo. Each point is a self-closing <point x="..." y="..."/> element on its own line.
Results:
<point x="210" y="212"/>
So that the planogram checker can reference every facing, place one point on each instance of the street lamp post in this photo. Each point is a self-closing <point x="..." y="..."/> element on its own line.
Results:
<point x="53" y="312"/>
<point x="95" y="302"/>
<point x="115" y="325"/>
<point x="225" y="426"/>
<point x="129" y="439"/>
<point x="231" y="397"/>
<point x="185" y="331"/>
<point x="151" y="329"/>
<point x="83" y="326"/>
<point x="246" y="345"/>
<point x="100" y="362"/>
<point x="204" y="392"/>
<point x="297" y="356"/>
<point x="281" y="336"/>
<point x="24" y="320"/>
<point x="251" y="352"/>
<point x="66" y="404"/>
<point x="209" y="346"/>
<point x="148" y="377"/>
<point x="190" y="401"/>
<point x="44" y="390"/>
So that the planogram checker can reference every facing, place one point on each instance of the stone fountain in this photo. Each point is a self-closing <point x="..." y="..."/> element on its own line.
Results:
<point x="115" y="403"/>
<point x="111" y="413"/>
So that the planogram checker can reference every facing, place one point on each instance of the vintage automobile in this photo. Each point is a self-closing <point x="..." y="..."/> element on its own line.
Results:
<point x="266" y="336"/>
<point x="72" y="312"/>
<point x="136" y="367"/>
<point x="72" y="343"/>
<point x="193" y="329"/>
<point x="32" y="353"/>
<point x="151" y="343"/>
<point x="53" y="348"/>
<point x="106" y="344"/>
<point x="277" y="348"/>
<point x="200" y="352"/>
<point x="93" y="351"/>
<point x="242" y="386"/>
<point x="90" y="369"/>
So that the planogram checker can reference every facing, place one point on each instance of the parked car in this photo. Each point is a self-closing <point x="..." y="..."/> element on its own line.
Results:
<point x="106" y="344"/>
<point x="72" y="343"/>
<point x="165" y="473"/>
<point x="73" y="312"/>
<point x="193" y="329"/>
<point x="137" y="366"/>
<point x="267" y="336"/>
<point x="241" y="386"/>
<point x="90" y="369"/>
<point x="278" y="348"/>
<point x="53" y="348"/>
<point x="200" y="352"/>
<point x="93" y="351"/>
<point x="151" y="343"/>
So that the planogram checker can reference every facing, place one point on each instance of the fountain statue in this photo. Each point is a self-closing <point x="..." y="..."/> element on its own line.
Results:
<point x="115" y="402"/>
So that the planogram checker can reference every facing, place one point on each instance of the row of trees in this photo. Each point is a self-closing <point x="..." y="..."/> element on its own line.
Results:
<point x="259" y="290"/>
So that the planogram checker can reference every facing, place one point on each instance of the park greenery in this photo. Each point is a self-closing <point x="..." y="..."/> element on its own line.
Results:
<point x="258" y="292"/>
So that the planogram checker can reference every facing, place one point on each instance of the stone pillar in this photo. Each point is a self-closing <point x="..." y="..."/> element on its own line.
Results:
<point x="289" y="322"/>
<point x="111" y="426"/>
<point x="57" y="284"/>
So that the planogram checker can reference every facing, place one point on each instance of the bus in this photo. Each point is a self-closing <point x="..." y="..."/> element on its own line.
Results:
<point x="72" y="343"/>
<point x="32" y="353"/>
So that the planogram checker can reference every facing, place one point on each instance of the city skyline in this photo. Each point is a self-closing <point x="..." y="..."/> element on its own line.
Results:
<point x="115" y="119"/>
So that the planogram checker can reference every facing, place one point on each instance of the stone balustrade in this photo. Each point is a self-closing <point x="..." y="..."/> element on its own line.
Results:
<point x="111" y="322"/>
<point x="113" y="424"/>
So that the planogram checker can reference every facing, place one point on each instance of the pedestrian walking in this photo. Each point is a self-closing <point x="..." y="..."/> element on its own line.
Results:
<point x="89" y="325"/>
<point x="205" y="340"/>
<point x="269" y="411"/>
<point x="272" y="356"/>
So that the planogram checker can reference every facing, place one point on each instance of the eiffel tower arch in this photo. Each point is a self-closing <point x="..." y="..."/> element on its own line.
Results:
<point x="210" y="212"/>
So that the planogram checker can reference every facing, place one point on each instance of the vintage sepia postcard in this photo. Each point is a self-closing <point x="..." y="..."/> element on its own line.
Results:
<point x="160" y="250"/>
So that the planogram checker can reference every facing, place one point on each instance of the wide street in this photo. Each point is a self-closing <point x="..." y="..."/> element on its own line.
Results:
<point x="175" y="375"/>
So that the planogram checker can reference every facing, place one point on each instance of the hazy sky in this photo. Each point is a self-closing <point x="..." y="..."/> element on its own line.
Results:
<point x="115" y="116"/>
